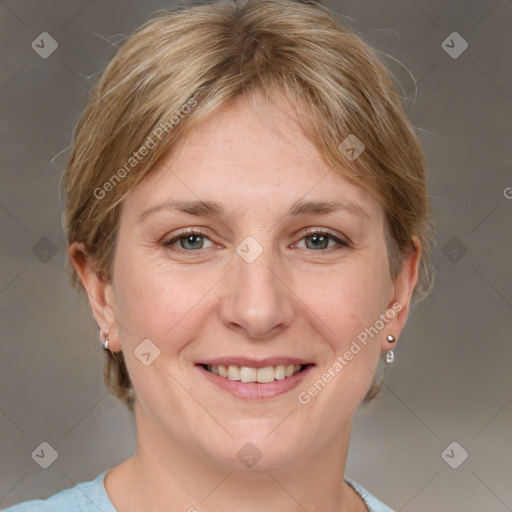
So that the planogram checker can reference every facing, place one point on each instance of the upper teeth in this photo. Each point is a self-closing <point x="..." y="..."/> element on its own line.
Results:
<point x="247" y="374"/>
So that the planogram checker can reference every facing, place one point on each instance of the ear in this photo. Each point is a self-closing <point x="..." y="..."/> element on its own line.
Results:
<point x="100" y="293"/>
<point x="401" y="293"/>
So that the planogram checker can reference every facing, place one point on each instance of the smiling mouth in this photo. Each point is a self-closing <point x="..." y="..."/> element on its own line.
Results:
<point x="248" y="374"/>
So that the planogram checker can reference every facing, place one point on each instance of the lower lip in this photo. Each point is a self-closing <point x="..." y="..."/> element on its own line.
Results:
<point x="256" y="390"/>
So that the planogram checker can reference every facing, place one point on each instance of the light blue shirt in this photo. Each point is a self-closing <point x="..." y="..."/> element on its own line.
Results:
<point x="92" y="497"/>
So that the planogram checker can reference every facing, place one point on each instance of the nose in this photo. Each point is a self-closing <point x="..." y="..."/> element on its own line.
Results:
<point x="257" y="302"/>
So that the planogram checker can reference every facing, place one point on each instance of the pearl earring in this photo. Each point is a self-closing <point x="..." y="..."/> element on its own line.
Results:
<point x="390" y="354"/>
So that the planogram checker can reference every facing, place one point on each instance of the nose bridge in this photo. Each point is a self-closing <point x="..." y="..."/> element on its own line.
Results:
<point x="257" y="301"/>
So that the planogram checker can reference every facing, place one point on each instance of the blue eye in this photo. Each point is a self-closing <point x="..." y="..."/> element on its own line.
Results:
<point x="190" y="240"/>
<point x="320" y="240"/>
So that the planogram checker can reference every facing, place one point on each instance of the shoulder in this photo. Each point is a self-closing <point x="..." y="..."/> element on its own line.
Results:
<point x="373" y="504"/>
<point x="83" y="497"/>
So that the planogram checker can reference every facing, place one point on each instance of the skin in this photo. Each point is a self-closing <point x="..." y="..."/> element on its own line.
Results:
<point x="293" y="300"/>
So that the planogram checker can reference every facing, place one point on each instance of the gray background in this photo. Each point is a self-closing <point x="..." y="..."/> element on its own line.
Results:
<point x="452" y="378"/>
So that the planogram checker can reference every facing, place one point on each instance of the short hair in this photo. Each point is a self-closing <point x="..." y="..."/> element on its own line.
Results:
<point x="186" y="62"/>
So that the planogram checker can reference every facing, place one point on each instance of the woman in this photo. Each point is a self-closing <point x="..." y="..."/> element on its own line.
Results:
<point x="247" y="211"/>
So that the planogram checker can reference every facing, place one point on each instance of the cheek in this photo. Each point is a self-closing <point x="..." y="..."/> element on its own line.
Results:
<point x="158" y="302"/>
<point x="347" y="300"/>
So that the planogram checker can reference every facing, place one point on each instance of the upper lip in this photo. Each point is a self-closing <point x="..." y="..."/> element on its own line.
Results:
<point x="254" y="363"/>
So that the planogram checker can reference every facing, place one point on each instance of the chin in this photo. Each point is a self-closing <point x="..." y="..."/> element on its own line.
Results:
<point x="261" y="452"/>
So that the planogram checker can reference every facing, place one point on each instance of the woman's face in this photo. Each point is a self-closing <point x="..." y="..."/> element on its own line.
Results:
<point x="250" y="287"/>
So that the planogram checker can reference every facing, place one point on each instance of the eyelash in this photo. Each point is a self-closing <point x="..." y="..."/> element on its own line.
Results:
<point x="195" y="231"/>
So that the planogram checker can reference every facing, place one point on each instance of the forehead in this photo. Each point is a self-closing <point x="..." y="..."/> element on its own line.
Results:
<point x="236" y="158"/>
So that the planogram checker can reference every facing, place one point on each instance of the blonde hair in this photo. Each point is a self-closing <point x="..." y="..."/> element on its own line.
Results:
<point x="178" y="68"/>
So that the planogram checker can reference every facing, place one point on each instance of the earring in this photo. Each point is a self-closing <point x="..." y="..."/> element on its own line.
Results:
<point x="105" y="343"/>
<point x="390" y="354"/>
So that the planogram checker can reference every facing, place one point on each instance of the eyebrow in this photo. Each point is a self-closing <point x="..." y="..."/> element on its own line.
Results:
<point x="299" y="208"/>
